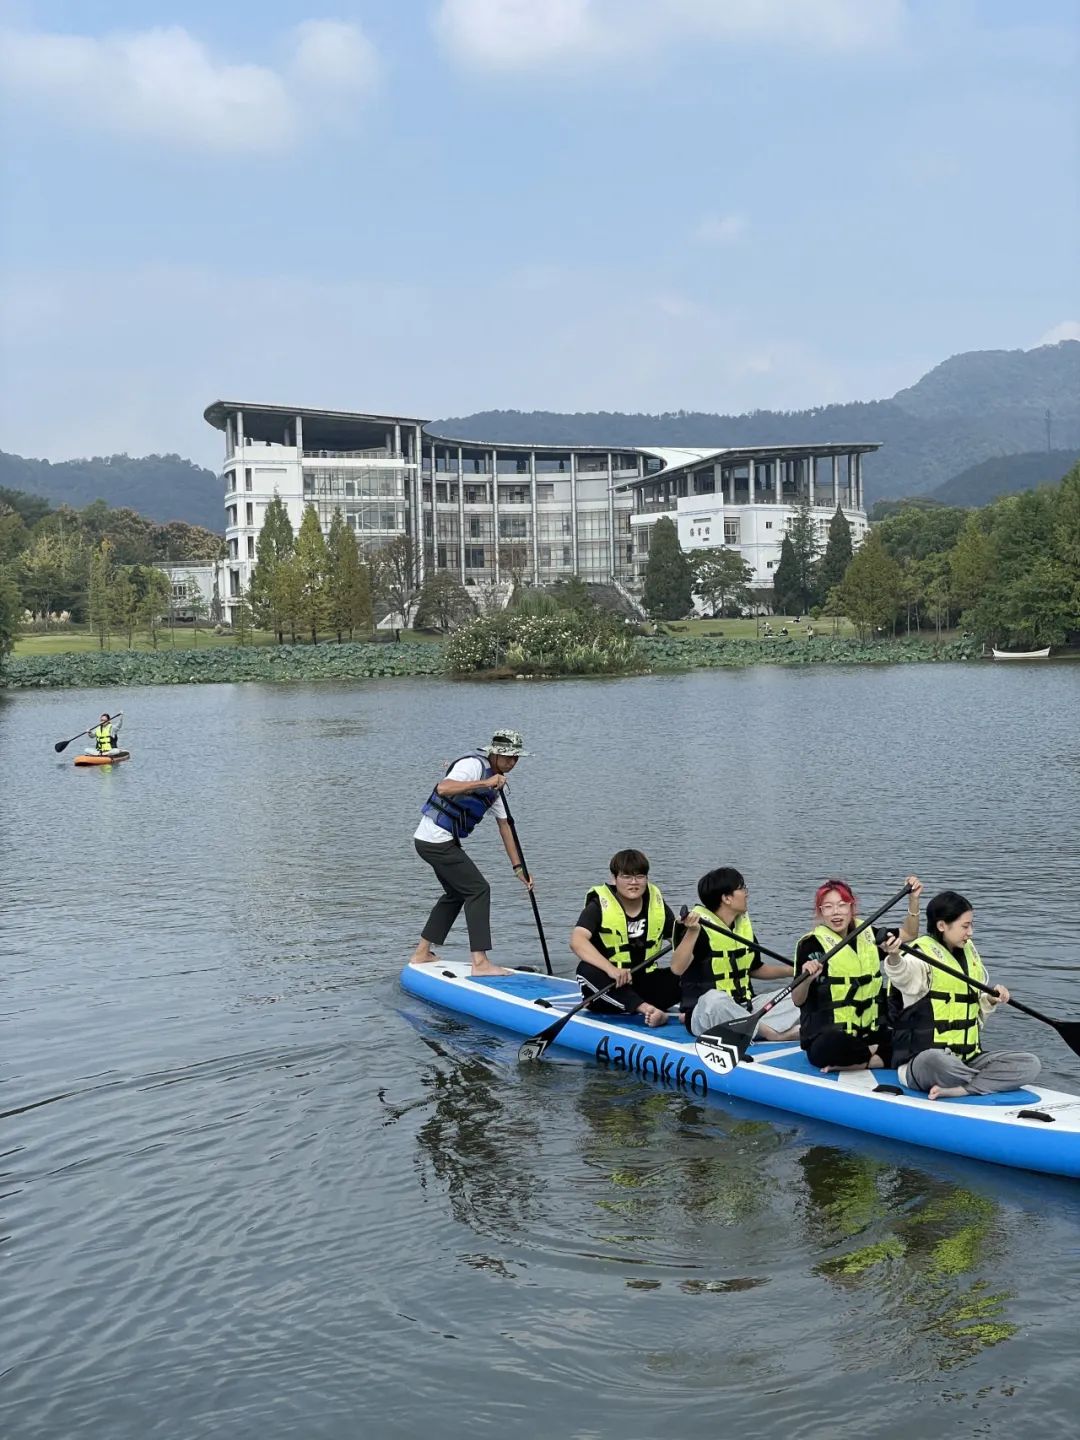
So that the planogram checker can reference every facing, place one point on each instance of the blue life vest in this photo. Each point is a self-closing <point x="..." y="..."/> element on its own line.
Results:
<point x="460" y="814"/>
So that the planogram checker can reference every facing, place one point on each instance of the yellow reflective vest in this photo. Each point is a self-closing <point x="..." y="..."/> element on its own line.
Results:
<point x="849" y="992"/>
<point x="730" y="960"/>
<point x="614" y="938"/>
<point x="949" y="1015"/>
<point x="102" y="737"/>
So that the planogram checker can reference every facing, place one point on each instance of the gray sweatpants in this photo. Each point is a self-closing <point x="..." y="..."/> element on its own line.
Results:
<point x="999" y="1070"/>
<point x="463" y="885"/>
<point x="716" y="1007"/>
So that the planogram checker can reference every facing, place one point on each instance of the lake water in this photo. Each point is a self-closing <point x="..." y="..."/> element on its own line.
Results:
<point x="250" y="1189"/>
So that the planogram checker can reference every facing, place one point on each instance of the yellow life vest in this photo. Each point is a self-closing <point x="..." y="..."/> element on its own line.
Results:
<point x="852" y="981"/>
<point x="614" y="936"/>
<point x="955" y="1009"/>
<point x="102" y="737"/>
<point x="730" y="960"/>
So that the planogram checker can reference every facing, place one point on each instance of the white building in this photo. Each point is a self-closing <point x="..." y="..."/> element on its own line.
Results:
<point x="492" y="512"/>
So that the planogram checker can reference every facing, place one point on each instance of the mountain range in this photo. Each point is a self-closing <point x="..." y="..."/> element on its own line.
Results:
<point x="999" y="409"/>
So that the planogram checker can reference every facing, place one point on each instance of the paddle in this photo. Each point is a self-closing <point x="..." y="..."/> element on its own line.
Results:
<point x="533" y="1049"/>
<point x="63" y="744"/>
<point x="736" y="1034"/>
<point x="525" y="868"/>
<point x="750" y="944"/>
<point x="1069" y="1030"/>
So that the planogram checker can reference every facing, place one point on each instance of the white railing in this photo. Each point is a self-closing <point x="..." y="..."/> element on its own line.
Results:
<point x="377" y="454"/>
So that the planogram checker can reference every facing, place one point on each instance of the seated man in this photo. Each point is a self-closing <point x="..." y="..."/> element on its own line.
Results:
<point x="621" y="930"/>
<point x="716" y="971"/>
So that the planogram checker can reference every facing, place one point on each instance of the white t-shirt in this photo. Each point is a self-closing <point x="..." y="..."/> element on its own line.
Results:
<point x="468" y="769"/>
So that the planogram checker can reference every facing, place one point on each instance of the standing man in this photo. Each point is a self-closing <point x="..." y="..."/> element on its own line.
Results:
<point x="469" y="789"/>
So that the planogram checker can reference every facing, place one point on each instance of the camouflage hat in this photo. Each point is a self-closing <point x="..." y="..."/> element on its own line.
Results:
<point x="506" y="742"/>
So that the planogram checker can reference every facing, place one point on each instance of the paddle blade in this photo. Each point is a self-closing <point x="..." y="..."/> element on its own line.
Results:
<point x="62" y="745"/>
<point x="721" y="1048"/>
<point x="1069" y="1030"/>
<point x="532" y="1049"/>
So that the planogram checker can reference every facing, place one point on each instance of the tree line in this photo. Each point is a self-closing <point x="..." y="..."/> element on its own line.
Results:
<point x="1008" y="572"/>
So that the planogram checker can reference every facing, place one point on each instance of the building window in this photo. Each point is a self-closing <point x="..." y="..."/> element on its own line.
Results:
<point x="731" y="532"/>
<point x="251" y="547"/>
<point x="768" y="565"/>
<point x="474" y="557"/>
<point x="247" y="479"/>
<point x="350" y="489"/>
<point x="309" y="485"/>
<point x="179" y="590"/>
<point x="230" y="515"/>
<point x="441" y="492"/>
<point x="768" y="524"/>
<point x="441" y="557"/>
<point x="566" y="555"/>
<point x="234" y="584"/>
<point x="545" y="492"/>
<point x="476" y="495"/>
<point x="250" y="509"/>
<point x="474" y="528"/>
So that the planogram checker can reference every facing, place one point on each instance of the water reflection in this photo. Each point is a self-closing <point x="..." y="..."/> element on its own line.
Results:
<point x="932" y="1243"/>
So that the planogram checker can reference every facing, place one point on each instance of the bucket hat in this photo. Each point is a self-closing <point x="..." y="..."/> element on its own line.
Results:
<point x="506" y="742"/>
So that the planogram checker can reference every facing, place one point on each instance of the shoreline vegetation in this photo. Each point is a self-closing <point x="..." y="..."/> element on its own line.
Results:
<point x="637" y="655"/>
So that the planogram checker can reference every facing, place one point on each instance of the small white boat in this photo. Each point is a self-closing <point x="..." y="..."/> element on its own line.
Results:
<point x="1021" y="654"/>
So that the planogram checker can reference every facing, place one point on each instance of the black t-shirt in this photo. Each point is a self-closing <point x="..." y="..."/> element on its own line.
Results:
<point x="636" y="927"/>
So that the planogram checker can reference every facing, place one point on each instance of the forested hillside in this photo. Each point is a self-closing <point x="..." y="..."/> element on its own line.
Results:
<point x="972" y="408"/>
<point x="161" y="487"/>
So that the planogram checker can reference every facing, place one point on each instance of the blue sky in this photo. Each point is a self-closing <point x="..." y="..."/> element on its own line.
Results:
<point x="439" y="206"/>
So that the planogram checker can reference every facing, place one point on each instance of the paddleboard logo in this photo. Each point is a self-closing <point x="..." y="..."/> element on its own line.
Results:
<point x="664" y="1067"/>
<point x="717" y="1054"/>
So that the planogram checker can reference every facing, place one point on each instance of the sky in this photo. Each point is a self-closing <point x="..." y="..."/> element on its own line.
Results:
<point x="433" y="207"/>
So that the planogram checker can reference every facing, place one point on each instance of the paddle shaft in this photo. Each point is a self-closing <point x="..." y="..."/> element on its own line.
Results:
<point x="63" y="744"/>
<point x="548" y="1035"/>
<point x="750" y="944"/>
<point x="978" y="985"/>
<point x="525" y="868"/>
<point x="774" y="1000"/>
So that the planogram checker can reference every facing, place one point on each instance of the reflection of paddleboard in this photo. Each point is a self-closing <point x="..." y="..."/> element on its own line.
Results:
<point x="1033" y="1129"/>
<point x="93" y="758"/>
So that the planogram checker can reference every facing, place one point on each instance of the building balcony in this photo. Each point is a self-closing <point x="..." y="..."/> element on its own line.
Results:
<point x="376" y="454"/>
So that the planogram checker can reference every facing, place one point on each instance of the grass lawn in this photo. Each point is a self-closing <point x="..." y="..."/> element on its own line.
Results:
<point x="77" y="639"/>
<point x="750" y="629"/>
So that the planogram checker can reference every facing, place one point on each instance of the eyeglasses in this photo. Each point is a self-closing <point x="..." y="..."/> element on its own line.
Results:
<point x="634" y="879"/>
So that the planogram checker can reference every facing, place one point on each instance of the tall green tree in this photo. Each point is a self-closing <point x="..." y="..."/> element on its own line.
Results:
<point x="99" y="605"/>
<point x="275" y="544"/>
<point x="312" y="560"/>
<point x="802" y="533"/>
<point x="872" y="588"/>
<point x="971" y="563"/>
<point x="348" y="581"/>
<point x="721" y="578"/>
<point x="668" y="590"/>
<point x="787" y="598"/>
<point x="10" y="611"/>
<point x="287" y="598"/>
<point x="154" y="586"/>
<point x="123" y="603"/>
<point x="196" y="602"/>
<point x="838" y="553"/>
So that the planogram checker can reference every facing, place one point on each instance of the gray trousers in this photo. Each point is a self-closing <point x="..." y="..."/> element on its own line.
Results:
<point x="716" y="1007"/>
<point x="463" y="886"/>
<point x="1001" y="1070"/>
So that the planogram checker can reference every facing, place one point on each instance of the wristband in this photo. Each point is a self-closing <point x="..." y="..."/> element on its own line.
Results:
<point x="516" y="868"/>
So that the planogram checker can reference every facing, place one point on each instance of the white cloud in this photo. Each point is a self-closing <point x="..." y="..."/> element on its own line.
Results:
<point x="163" y="84"/>
<point x="502" y="34"/>
<point x="529" y="34"/>
<point x="1067" y="330"/>
<point x="720" y="229"/>
<point x="330" y="52"/>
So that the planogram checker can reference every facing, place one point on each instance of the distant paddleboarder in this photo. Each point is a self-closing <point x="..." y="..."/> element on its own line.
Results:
<point x="461" y="799"/>
<point x="104" y="734"/>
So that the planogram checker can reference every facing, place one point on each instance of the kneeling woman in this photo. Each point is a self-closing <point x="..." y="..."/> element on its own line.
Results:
<point x="843" y="1024"/>
<point x="937" y="1018"/>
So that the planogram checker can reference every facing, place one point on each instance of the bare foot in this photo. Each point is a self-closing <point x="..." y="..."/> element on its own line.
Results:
<point x="423" y="955"/>
<point x="652" y="1016"/>
<point x="485" y="967"/>
<point x="876" y="1063"/>
<point x="945" y="1092"/>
